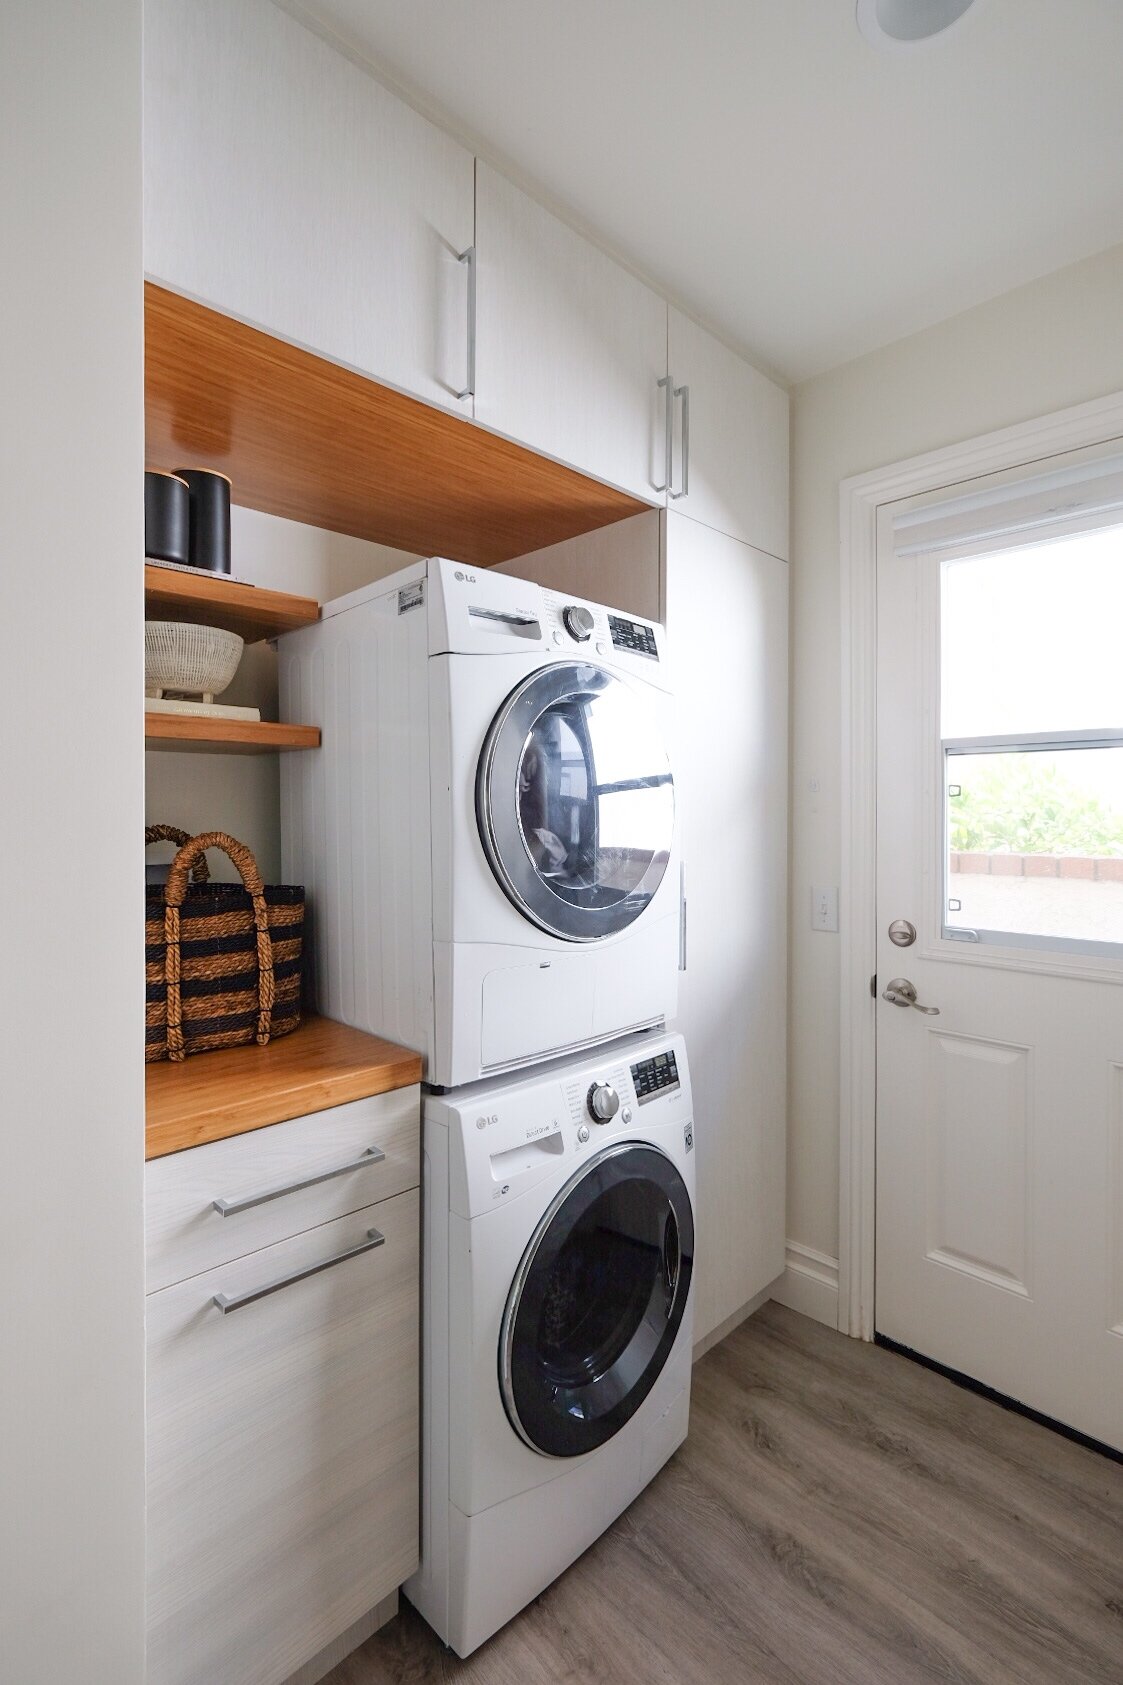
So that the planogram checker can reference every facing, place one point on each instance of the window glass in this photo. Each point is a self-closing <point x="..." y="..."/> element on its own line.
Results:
<point x="1035" y="843"/>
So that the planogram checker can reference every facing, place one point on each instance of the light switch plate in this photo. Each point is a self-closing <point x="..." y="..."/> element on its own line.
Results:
<point x="824" y="908"/>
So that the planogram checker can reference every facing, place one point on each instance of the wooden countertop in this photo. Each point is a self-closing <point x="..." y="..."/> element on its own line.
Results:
<point x="213" y="1095"/>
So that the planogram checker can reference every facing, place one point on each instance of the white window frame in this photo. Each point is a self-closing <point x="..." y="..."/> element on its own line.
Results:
<point x="860" y="499"/>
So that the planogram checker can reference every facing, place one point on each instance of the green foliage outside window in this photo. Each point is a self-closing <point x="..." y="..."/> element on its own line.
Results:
<point x="1024" y="804"/>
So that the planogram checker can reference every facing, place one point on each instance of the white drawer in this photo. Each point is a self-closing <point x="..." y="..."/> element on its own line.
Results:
<point x="260" y="1178"/>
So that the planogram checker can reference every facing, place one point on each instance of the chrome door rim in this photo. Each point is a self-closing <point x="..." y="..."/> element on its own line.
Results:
<point x="501" y="832"/>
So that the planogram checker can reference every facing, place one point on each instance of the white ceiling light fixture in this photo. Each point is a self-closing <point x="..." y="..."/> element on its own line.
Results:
<point x="907" y="23"/>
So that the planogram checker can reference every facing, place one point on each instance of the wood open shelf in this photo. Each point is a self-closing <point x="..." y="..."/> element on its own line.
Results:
<point x="226" y="737"/>
<point x="249" y="610"/>
<point x="307" y="439"/>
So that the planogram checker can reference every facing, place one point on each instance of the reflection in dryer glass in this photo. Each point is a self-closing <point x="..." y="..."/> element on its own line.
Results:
<point x="596" y="803"/>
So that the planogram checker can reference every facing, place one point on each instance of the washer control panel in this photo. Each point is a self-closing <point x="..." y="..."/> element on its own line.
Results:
<point x="655" y="1076"/>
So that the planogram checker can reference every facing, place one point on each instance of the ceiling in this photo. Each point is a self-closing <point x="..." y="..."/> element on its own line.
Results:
<point x="805" y="194"/>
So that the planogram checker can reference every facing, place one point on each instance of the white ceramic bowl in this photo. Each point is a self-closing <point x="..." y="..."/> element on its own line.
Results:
<point x="200" y="660"/>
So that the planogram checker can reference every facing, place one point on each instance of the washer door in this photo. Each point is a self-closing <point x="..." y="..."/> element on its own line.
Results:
<point x="575" y="801"/>
<point x="597" y="1301"/>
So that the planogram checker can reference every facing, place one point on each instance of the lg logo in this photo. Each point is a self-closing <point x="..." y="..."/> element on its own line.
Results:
<point x="484" y="1122"/>
<point x="464" y="578"/>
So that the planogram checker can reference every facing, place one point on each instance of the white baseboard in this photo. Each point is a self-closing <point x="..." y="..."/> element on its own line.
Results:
<point x="809" y="1283"/>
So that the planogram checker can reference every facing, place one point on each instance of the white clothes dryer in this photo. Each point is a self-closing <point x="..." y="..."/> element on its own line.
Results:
<point x="487" y="836"/>
<point x="558" y="1311"/>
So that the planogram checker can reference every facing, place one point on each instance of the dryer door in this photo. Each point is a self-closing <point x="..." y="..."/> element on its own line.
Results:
<point x="597" y="1301"/>
<point x="575" y="801"/>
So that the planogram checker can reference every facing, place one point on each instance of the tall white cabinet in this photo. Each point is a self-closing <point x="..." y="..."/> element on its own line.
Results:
<point x="570" y="346"/>
<point x="726" y="609"/>
<point x="285" y="186"/>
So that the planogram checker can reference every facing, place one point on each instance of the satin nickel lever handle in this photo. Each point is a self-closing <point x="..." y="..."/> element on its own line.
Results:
<point x="231" y="1207"/>
<point x="226" y="1305"/>
<point x="903" y="993"/>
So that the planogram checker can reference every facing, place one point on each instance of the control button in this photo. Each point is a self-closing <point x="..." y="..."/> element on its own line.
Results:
<point x="603" y="1102"/>
<point x="578" y="622"/>
<point x="626" y="1115"/>
<point x="583" y="1133"/>
<point x="602" y="647"/>
<point x="557" y="637"/>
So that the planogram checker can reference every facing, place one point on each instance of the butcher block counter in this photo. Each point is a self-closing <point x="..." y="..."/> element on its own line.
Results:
<point x="212" y="1096"/>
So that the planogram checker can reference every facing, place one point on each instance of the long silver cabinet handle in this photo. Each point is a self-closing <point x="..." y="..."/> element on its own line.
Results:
<point x="226" y="1305"/>
<point x="469" y="257"/>
<point x="683" y="392"/>
<point x="231" y="1207"/>
<point x="667" y="387"/>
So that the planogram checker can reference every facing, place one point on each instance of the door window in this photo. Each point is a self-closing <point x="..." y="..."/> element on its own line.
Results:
<point x="597" y="1301"/>
<point x="1032" y="730"/>
<point x="575" y="801"/>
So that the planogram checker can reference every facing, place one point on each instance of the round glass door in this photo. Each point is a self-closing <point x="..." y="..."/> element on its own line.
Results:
<point x="575" y="801"/>
<point x="597" y="1301"/>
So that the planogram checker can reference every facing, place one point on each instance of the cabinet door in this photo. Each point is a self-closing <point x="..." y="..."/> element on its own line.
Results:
<point x="726" y="607"/>
<point x="285" y="186"/>
<point x="738" y="441"/>
<point x="282" y="1450"/>
<point x="570" y="346"/>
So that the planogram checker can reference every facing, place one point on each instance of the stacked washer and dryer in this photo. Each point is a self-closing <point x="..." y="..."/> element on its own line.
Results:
<point x="489" y="847"/>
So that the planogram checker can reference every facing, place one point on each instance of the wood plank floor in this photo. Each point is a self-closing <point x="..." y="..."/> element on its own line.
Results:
<point x="838" y="1516"/>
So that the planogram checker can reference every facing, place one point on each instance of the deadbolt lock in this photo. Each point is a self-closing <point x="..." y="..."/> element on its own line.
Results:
<point x="902" y="934"/>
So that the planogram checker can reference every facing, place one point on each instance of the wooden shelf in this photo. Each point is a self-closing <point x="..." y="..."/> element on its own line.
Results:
<point x="214" y="1095"/>
<point x="226" y="737"/>
<point x="315" y="442"/>
<point x="249" y="610"/>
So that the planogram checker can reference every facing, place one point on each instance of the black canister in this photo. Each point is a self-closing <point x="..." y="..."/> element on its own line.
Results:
<point x="210" y="519"/>
<point x="167" y="525"/>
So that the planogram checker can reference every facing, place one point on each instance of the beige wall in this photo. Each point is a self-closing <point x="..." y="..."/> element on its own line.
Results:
<point x="72" y="933"/>
<point x="240" y="793"/>
<point x="1056" y="342"/>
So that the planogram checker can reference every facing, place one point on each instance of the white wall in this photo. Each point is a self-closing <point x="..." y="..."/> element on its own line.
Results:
<point x="240" y="794"/>
<point x="71" y="931"/>
<point x="1056" y="342"/>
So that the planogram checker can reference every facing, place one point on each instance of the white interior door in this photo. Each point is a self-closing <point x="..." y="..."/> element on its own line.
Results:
<point x="1000" y="839"/>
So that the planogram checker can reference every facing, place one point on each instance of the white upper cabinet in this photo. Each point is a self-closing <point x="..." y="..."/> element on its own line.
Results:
<point x="285" y="186"/>
<point x="730" y="431"/>
<point x="570" y="346"/>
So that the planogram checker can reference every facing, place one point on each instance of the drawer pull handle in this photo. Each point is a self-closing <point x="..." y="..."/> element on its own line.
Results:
<point x="226" y="1305"/>
<point x="231" y="1207"/>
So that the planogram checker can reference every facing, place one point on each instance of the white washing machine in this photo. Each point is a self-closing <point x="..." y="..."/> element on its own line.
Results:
<point x="558" y="1310"/>
<point x="487" y="835"/>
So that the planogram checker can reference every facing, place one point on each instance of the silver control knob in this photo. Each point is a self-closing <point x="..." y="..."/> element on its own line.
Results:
<point x="583" y="1133"/>
<point x="578" y="622"/>
<point x="603" y="1102"/>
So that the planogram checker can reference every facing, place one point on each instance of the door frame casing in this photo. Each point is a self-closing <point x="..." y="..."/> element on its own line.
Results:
<point x="860" y="498"/>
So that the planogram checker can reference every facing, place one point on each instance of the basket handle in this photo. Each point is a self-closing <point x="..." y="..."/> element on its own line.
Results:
<point x="200" y="872"/>
<point x="174" y="891"/>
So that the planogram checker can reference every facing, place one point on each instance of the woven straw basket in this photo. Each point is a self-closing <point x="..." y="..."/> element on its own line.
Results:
<point x="222" y="960"/>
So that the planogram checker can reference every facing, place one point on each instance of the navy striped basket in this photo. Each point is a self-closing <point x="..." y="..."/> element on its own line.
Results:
<point x="222" y="960"/>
